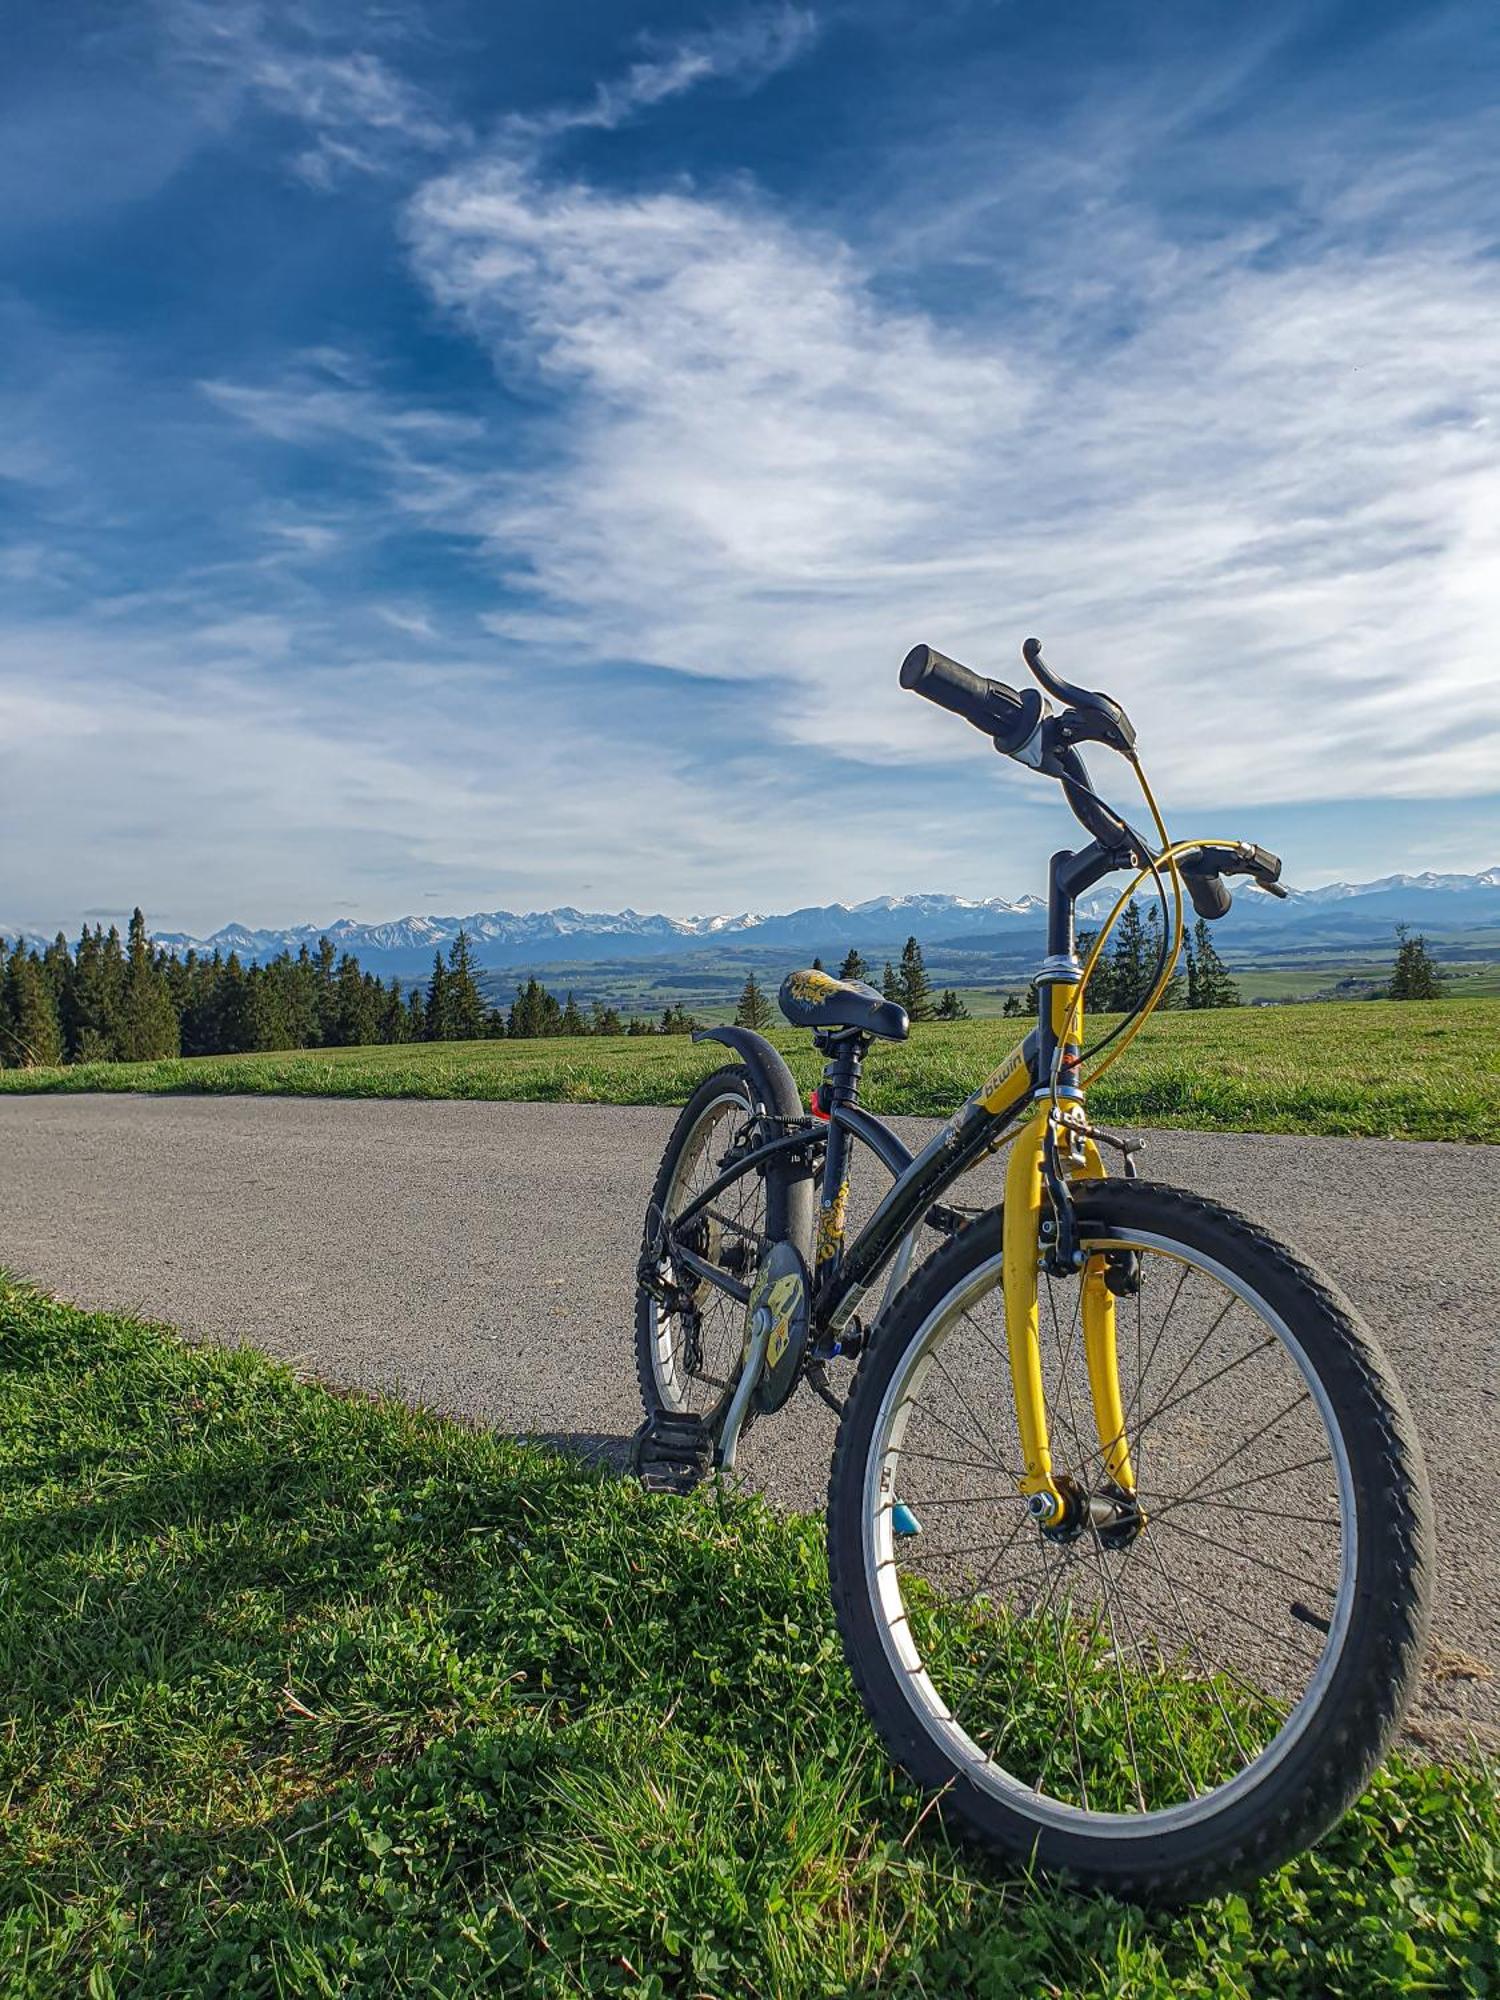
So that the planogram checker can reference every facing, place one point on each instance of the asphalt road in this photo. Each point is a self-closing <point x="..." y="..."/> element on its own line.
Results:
<point x="479" y="1258"/>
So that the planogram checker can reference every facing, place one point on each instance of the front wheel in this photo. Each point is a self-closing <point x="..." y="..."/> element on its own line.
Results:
<point x="1184" y="1696"/>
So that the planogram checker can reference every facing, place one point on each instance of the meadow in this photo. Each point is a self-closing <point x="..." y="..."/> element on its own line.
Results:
<point x="308" y="1694"/>
<point x="1380" y="1068"/>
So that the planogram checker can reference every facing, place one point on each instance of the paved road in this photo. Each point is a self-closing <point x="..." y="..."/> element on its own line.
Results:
<point x="478" y="1257"/>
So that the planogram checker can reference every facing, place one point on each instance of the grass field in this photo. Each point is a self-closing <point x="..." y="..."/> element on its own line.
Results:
<point x="309" y="1695"/>
<point x="1370" y="1067"/>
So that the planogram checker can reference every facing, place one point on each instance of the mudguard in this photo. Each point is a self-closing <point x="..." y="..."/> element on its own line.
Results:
<point x="776" y="1091"/>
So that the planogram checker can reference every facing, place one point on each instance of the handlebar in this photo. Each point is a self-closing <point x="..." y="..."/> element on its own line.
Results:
<point x="1203" y="873"/>
<point x="992" y="707"/>
<point x="1022" y="725"/>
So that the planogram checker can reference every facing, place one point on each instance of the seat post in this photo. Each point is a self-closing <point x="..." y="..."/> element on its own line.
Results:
<point x="845" y="1049"/>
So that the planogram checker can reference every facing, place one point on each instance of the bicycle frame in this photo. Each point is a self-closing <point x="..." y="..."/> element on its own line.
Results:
<point x="1040" y="1074"/>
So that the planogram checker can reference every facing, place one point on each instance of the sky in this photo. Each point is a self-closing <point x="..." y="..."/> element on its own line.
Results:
<point x="458" y="457"/>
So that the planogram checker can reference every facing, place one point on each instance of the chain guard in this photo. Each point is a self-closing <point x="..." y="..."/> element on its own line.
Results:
<point x="780" y="1289"/>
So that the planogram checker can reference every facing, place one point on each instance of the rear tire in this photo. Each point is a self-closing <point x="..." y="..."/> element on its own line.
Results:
<point x="902" y="1635"/>
<point x="687" y="1370"/>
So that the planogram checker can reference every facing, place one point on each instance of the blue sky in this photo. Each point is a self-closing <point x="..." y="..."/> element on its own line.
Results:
<point x="463" y="457"/>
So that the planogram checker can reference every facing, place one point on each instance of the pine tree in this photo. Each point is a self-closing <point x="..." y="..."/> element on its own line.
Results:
<point x="572" y="1022"/>
<point x="676" y="1020"/>
<point x="1132" y="962"/>
<point x="432" y="1025"/>
<point x="1415" y="975"/>
<point x="754" y="1010"/>
<point x="325" y="998"/>
<point x="355" y="1020"/>
<point x="1014" y="1006"/>
<point x="86" y="1036"/>
<point x="1102" y="984"/>
<point x="890" y="985"/>
<point x="1172" y="992"/>
<point x="916" y="988"/>
<point x="112" y="983"/>
<point x="854" y="967"/>
<point x="30" y="1028"/>
<point x="604" y="1020"/>
<point x="393" y="1015"/>
<point x="148" y="1026"/>
<point x="951" y="1008"/>
<point x="817" y="964"/>
<point x="462" y="1010"/>
<point x="414" y="1028"/>
<point x="1209" y="983"/>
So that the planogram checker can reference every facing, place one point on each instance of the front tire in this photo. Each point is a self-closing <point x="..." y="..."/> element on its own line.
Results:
<point x="1165" y="1714"/>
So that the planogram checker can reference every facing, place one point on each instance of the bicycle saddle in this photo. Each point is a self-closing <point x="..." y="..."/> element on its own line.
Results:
<point x="815" y="999"/>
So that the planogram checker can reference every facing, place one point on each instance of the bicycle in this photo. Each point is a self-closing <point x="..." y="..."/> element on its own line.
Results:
<point x="1128" y="1527"/>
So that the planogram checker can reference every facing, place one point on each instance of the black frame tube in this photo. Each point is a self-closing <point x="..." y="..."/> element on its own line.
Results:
<point x="971" y="1132"/>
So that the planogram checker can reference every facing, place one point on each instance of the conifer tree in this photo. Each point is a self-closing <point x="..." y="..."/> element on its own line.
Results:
<point x="1102" y="983"/>
<point x="437" y="997"/>
<point x="1014" y="1006"/>
<point x="572" y="1022"/>
<point x="85" y="1008"/>
<point x="915" y="987"/>
<point x="817" y="964"/>
<point x="30" y="1029"/>
<point x="415" y="1026"/>
<point x="950" y="1007"/>
<point x="148" y="1026"/>
<point x="393" y="1014"/>
<point x="890" y="985"/>
<point x="604" y="1020"/>
<point x="1415" y="975"/>
<point x="1132" y="962"/>
<point x="355" y="1021"/>
<point x="325" y="998"/>
<point x="854" y="967"/>
<point x="462" y="1011"/>
<point x="1209" y="983"/>
<point x="754" y="1009"/>
<point x="1172" y="992"/>
<point x="112" y="960"/>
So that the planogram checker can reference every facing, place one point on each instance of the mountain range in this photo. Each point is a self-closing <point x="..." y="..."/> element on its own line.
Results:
<point x="1444" y="905"/>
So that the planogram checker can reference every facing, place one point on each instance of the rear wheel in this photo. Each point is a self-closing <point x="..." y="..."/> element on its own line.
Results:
<point x="688" y="1353"/>
<point x="1159" y="1700"/>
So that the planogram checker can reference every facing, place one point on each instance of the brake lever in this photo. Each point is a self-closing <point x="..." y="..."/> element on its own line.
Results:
<point x="1094" y="716"/>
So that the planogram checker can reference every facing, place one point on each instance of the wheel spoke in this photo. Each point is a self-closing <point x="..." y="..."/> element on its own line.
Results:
<point x="1112" y="1678"/>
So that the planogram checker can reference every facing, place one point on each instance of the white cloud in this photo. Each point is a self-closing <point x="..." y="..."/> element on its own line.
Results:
<point x="746" y="50"/>
<point x="1267" y="515"/>
<point x="362" y="115"/>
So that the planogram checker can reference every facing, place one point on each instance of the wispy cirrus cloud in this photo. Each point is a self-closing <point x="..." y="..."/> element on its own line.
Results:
<point x="1272" y="490"/>
<point x="358" y="113"/>
<point x="745" y="50"/>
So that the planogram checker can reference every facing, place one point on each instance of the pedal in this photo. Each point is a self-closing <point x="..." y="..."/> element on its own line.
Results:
<point x="672" y="1454"/>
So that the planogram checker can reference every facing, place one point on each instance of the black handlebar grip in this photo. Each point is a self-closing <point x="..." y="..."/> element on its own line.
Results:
<point x="988" y="705"/>
<point x="1210" y="894"/>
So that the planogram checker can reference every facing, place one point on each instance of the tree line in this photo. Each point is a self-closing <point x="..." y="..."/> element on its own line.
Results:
<point x="131" y="1000"/>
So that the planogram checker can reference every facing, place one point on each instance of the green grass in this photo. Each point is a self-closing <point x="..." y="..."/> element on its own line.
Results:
<point x="1364" y="1067"/>
<point x="311" y="1695"/>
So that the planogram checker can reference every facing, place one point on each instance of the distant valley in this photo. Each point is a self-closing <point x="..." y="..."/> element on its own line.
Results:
<point x="1335" y="938"/>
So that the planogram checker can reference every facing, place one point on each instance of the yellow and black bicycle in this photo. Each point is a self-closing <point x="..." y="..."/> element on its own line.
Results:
<point x="1128" y="1527"/>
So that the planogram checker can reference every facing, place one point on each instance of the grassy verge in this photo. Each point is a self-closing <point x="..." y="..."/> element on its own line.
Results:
<point x="309" y="1695"/>
<point x="1379" y="1068"/>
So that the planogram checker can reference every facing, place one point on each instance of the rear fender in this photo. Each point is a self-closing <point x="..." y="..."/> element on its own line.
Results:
<point x="775" y="1090"/>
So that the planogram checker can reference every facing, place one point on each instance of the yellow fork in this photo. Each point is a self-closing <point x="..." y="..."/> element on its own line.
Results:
<point x="1024" y="1207"/>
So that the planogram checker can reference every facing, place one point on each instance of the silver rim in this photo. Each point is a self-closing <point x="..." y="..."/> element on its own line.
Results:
<point x="740" y="1209"/>
<point x="1078" y="1684"/>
